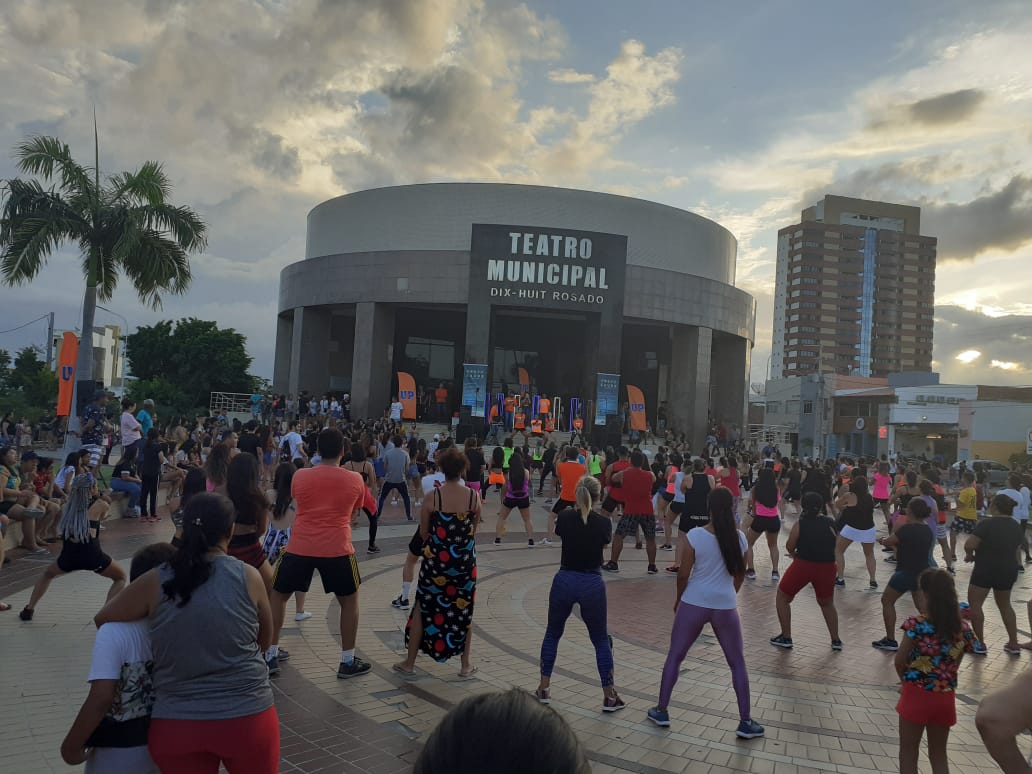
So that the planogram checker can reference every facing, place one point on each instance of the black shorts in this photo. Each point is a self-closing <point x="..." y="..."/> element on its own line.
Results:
<point x="609" y="505"/>
<point x="903" y="582"/>
<point x="880" y="501"/>
<point x="516" y="502"/>
<point x="766" y="524"/>
<point x="690" y="521"/>
<point x="629" y="523"/>
<point x="339" y="574"/>
<point x="562" y="505"/>
<point x="668" y="496"/>
<point x="676" y="508"/>
<point x="995" y="577"/>
<point x="415" y="545"/>
<point x="82" y="556"/>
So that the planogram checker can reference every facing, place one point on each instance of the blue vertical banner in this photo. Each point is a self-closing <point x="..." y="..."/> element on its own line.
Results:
<point x="607" y="397"/>
<point x="474" y="388"/>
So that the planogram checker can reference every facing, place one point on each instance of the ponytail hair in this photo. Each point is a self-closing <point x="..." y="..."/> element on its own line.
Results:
<point x="720" y="503"/>
<point x="940" y="595"/>
<point x="813" y="505"/>
<point x="589" y="491"/>
<point x="207" y="520"/>
<point x="281" y="481"/>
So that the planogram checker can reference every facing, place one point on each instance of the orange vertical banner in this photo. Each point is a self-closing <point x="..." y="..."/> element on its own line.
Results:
<point x="524" y="378"/>
<point x="66" y="373"/>
<point x="407" y="395"/>
<point x="637" y="405"/>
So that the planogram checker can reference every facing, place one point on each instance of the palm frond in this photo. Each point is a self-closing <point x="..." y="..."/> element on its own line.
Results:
<point x="148" y="185"/>
<point x="155" y="265"/>
<point x="33" y="224"/>
<point x="52" y="160"/>
<point x="182" y="223"/>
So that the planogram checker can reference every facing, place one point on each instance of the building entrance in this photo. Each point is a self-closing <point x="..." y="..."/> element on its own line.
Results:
<point x="550" y="347"/>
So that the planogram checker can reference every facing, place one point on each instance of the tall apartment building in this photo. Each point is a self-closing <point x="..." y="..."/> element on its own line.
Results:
<point x="854" y="292"/>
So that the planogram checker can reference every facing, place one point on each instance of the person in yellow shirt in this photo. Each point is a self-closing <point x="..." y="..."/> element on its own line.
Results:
<point x="967" y="510"/>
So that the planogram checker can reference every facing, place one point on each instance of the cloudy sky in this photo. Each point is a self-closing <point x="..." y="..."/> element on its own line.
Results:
<point x="262" y="108"/>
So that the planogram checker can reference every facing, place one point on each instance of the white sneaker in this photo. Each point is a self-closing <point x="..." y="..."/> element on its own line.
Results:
<point x="302" y="616"/>
<point x="545" y="542"/>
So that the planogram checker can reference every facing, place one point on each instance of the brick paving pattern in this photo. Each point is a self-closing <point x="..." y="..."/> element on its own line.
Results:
<point x="823" y="711"/>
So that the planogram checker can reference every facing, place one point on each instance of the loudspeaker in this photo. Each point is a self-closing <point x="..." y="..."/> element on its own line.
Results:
<point x="465" y="413"/>
<point x="463" y="431"/>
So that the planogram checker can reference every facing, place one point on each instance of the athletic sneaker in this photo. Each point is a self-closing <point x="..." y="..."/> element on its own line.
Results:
<point x="530" y="542"/>
<point x="1013" y="650"/>
<point x="890" y="559"/>
<point x="979" y="649"/>
<point x="749" y="729"/>
<point x="613" y="704"/>
<point x="659" y="717"/>
<point x="774" y="576"/>
<point x="354" y="669"/>
<point x="283" y="655"/>
<point x="498" y="541"/>
<point x="302" y="616"/>
<point x="26" y="614"/>
<point x="638" y="545"/>
<point x="542" y="696"/>
<point x="611" y="567"/>
<point x="401" y="603"/>
<point x="546" y="542"/>
<point x="750" y="574"/>
<point x="548" y="501"/>
<point x="885" y="644"/>
<point x="781" y="641"/>
<point x="872" y="585"/>
<point x="673" y="569"/>
<point x="840" y="582"/>
<point x="666" y="547"/>
<point x="373" y="550"/>
<point x="273" y="665"/>
<point x="836" y="644"/>
<point x="652" y="570"/>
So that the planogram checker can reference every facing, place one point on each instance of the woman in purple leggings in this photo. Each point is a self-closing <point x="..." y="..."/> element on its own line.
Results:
<point x="712" y="571"/>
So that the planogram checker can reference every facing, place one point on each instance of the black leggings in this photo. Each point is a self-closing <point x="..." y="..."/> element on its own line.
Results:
<point x="149" y="489"/>
<point x="402" y="487"/>
<point x="544" y="474"/>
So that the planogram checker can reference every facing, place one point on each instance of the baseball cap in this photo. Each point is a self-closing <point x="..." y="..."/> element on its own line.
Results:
<point x="437" y="436"/>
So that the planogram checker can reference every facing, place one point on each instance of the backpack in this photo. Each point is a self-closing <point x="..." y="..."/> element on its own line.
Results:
<point x="284" y="454"/>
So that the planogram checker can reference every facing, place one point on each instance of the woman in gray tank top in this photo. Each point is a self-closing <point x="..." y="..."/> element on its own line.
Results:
<point x="210" y="622"/>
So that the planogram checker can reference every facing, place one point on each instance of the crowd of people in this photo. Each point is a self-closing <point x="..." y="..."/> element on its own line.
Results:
<point x="257" y="509"/>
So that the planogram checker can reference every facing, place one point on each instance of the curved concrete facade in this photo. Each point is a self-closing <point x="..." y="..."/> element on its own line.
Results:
<point x="375" y="253"/>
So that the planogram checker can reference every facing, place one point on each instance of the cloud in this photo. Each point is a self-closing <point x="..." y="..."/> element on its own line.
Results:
<point x="973" y="348"/>
<point x="271" y="153"/>
<point x="569" y="75"/>
<point x="942" y="109"/>
<point x="1000" y="219"/>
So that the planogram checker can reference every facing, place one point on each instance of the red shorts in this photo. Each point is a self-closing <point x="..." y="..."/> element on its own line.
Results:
<point x="247" y="744"/>
<point x="927" y="708"/>
<point x="802" y="572"/>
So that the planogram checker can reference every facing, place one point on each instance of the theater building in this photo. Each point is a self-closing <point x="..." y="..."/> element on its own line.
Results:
<point x="562" y="285"/>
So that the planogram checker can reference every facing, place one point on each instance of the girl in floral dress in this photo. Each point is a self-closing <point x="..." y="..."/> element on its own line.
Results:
<point x="927" y="663"/>
<point x="441" y="622"/>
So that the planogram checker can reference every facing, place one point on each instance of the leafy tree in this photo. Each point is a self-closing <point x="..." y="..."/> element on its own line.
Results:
<point x="191" y="358"/>
<point x="33" y="379"/>
<point x="122" y="225"/>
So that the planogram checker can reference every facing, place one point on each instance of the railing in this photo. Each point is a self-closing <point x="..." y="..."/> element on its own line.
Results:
<point x="227" y="403"/>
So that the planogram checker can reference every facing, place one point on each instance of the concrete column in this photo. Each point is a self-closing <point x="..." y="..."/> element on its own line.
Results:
<point x="373" y="359"/>
<point x="284" y="340"/>
<point x="688" y="393"/>
<point x="310" y="340"/>
<point x="729" y="375"/>
<point x="296" y="351"/>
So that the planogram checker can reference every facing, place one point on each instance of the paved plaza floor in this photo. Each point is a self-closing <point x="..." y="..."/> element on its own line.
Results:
<point x="823" y="711"/>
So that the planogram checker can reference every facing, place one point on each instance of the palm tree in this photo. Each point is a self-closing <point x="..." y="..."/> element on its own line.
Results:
<point x="122" y="225"/>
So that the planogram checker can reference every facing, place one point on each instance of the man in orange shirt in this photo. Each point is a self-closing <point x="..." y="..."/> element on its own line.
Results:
<point x="326" y="497"/>
<point x="510" y="412"/>
<point x="441" y="396"/>
<point x="569" y="472"/>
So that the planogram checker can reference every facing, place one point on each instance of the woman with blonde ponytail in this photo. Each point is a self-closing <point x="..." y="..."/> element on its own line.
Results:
<point x="584" y="532"/>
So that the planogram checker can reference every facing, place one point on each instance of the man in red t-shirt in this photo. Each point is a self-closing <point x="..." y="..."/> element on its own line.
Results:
<point x="615" y="494"/>
<point x="327" y="498"/>
<point x="636" y="481"/>
<point x="441" y="397"/>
